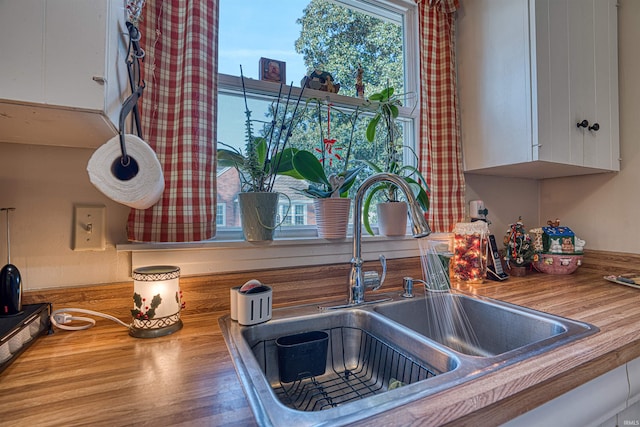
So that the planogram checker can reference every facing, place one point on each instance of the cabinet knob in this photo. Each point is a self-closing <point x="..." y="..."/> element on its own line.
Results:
<point x="595" y="127"/>
<point x="583" y="124"/>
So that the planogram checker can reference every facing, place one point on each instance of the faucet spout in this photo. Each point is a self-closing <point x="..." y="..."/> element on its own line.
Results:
<point x="420" y="228"/>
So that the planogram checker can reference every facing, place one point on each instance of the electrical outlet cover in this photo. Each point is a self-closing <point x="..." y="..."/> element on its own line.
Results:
<point x="89" y="227"/>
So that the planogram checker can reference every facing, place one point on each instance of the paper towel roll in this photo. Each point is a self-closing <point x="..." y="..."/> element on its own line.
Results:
<point x="140" y="192"/>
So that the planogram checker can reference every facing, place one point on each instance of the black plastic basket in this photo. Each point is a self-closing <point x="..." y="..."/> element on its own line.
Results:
<point x="302" y="355"/>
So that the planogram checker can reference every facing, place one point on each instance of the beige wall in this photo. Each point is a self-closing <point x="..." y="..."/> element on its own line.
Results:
<point x="506" y="199"/>
<point x="44" y="183"/>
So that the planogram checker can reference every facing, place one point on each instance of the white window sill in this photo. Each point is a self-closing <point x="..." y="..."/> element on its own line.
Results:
<point x="223" y="256"/>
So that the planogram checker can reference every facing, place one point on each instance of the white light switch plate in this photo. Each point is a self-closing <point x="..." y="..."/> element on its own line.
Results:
<point x="89" y="228"/>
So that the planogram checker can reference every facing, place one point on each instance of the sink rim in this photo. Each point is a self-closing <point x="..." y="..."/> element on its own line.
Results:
<point x="268" y="409"/>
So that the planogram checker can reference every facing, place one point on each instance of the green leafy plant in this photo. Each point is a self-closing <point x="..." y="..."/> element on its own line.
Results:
<point x="256" y="169"/>
<point x="385" y="105"/>
<point x="308" y="167"/>
<point x="264" y="156"/>
<point x="324" y="181"/>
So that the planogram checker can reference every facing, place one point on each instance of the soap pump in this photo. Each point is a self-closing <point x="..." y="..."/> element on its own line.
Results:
<point x="10" y="281"/>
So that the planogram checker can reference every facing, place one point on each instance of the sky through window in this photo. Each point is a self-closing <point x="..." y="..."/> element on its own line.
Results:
<point x="245" y="42"/>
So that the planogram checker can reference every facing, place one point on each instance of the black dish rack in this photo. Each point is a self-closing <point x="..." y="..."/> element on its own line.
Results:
<point x="358" y="365"/>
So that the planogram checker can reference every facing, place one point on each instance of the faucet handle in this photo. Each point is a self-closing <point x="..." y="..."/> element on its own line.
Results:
<point x="372" y="279"/>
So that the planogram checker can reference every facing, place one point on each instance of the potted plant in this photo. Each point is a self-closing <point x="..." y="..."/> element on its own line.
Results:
<point x="329" y="182"/>
<point x="392" y="214"/>
<point x="264" y="157"/>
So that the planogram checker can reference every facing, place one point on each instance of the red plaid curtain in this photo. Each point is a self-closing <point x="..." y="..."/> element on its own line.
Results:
<point x="178" y="109"/>
<point x="440" y="146"/>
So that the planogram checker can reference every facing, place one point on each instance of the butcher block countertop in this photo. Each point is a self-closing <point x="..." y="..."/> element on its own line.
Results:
<point x="102" y="376"/>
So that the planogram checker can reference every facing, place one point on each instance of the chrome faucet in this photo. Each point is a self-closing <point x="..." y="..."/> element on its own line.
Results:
<point x="359" y="280"/>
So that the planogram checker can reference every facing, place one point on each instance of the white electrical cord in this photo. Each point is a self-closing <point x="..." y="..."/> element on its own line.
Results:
<point x="60" y="318"/>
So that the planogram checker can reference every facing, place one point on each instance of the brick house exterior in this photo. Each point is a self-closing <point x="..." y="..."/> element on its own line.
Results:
<point x="228" y="184"/>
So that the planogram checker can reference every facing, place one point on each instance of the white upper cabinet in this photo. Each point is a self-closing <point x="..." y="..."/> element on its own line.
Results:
<point x="63" y="74"/>
<point x="528" y="73"/>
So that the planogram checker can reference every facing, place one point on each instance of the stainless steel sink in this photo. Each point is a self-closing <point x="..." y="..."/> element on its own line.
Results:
<point x="382" y="356"/>
<point x="372" y="365"/>
<point x="484" y="327"/>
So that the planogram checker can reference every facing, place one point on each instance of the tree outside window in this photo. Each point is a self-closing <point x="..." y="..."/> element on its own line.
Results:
<point x="337" y="36"/>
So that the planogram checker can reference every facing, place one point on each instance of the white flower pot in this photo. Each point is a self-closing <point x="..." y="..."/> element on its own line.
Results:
<point x="258" y="213"/>
<point x="332" y="217"/>
<point x="392" y="218"/>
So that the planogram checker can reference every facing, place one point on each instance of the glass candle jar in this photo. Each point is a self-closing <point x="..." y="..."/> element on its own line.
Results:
<point x="469" y="261"/>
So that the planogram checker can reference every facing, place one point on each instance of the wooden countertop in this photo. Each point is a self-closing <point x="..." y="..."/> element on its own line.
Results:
<point x="102" y="376"/>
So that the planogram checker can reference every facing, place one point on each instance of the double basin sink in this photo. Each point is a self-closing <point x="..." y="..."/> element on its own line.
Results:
<point x="353" y="363"/>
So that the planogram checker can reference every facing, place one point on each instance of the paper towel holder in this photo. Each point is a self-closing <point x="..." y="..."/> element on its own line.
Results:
<point x="126" y="167"/>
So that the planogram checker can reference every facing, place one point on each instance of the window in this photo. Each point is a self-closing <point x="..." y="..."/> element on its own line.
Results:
<point x="221" y="214"/>
<point x="335" y="36"/>
<point x="296" y="214"/>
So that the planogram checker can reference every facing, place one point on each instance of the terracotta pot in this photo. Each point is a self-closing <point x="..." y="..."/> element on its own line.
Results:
<point x="392" y="218"/>
<point x="332" y="217"/>
<point x="258" y="213"/>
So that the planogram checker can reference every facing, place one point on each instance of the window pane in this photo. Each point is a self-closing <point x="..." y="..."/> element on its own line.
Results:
<point x="299" y="215"/>
<point x="252" y="30"/>
<point x="221" y="214"/>
<point x="335" y="36"/>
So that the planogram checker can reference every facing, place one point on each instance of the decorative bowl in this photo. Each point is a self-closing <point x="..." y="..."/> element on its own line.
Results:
<point x="558" y="263"/>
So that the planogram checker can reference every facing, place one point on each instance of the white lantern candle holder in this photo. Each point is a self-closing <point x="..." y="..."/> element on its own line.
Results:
<point x="157" y="301"/>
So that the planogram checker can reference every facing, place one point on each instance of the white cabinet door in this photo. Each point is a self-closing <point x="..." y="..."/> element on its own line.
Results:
<point x="75" y="53"/>
<point x="581" y="77"/>
<point x="494" y="83"/>
<point x="63" y="71"/>
<point x="576" y="56"/>
<point x="529" y="71"/>
<point x="21" y="39"/>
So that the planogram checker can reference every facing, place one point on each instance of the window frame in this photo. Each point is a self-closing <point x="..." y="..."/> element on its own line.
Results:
<point x="295" y="246"/>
